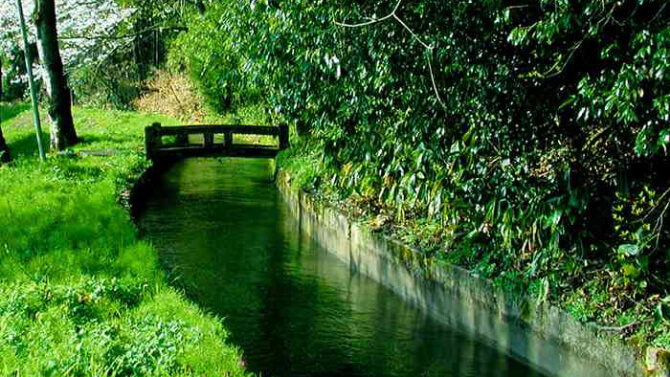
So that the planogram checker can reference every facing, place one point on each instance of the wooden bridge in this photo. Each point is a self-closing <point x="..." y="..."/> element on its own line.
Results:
<point x="211" y="141"/>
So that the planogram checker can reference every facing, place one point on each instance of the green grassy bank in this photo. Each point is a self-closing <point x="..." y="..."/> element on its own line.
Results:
<point x="80" y="294"/>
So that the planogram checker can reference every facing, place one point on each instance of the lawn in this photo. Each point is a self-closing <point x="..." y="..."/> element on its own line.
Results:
<point x="80" y="294"/>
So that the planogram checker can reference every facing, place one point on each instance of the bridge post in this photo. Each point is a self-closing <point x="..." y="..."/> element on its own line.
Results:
<point x="283" y="136"/>
<point x="182" y="139"/>
<point x="228" y="141"/>
<point x="209" y="140"/>
<point x="152" y="141"/>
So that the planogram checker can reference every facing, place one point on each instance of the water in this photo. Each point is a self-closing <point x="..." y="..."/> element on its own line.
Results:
<point x="291" y="306"/>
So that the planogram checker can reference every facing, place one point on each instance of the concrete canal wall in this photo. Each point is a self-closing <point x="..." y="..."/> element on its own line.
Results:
<point x="543" y="336"/>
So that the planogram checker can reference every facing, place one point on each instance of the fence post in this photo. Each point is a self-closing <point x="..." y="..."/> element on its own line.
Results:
<point x="283" y="136"/>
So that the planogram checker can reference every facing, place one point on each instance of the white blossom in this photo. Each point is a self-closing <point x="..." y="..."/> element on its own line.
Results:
<point x="87" y="29"/>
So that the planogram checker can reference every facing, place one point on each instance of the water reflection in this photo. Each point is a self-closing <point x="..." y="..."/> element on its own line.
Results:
<point x="295" y="309"/>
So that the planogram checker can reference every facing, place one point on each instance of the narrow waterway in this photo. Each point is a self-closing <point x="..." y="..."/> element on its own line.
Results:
<point x="294" y="309"/>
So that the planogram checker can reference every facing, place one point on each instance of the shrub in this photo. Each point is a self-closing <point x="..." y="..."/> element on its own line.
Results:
<point x="534" y="133"/>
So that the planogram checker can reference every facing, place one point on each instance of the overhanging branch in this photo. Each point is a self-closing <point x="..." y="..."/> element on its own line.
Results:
<point x="394" y="15"/>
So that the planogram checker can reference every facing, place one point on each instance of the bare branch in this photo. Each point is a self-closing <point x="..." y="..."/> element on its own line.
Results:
<point x="565" y="64"/>
<point x="621" y="328"/>
<point x="432" y="79"/>
<point x="659" y="13"/>
<point x="429" y="47"/>
<point x="517" y="7"/>
<point x="372" y="20"/>
<point x="425" y="45"/>
<point x="123" y="36"/>
<point x="659" y="201"/>
<point x="659" y="225"/>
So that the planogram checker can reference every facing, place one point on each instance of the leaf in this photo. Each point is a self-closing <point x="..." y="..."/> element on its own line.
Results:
<point x="662" y="311"/>
<point x="629" y="250"/>
<point x="568" y="102"/>
<point x="630" y="270"/>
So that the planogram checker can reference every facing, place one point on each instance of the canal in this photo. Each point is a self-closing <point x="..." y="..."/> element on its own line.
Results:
<point x="294" y="309"/>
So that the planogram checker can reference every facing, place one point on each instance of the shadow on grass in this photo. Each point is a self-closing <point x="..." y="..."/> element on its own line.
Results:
<point x="27" y="145"/>
<point x="88" y="139"/>
<point x="11" y="110"/>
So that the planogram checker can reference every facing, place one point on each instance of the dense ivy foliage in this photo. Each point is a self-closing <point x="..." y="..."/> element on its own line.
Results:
<point x="533" y="133"/>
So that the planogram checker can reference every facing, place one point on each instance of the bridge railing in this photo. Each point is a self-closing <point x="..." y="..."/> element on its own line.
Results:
<point x="156" y="148"/>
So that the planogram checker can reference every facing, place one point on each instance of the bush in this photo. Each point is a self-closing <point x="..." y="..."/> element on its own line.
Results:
<point x="518" y="136"/>
<point x="213" y="55"/>
<point x="13" y="66"/>
<point x="534" y="134"/>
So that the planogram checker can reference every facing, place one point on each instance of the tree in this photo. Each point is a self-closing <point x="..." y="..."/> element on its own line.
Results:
<point x="4" y="149"/>
<point x="63" y="133"/>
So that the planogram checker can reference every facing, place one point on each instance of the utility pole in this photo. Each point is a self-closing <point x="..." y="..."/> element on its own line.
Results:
<point x="33" y="91"/>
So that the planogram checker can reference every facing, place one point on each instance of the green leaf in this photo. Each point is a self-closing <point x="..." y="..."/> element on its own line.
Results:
<point x="629" y="250"/>
<point x="630" y="270"/>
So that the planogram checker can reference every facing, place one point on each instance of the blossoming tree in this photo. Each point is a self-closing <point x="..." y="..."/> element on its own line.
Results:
<point x="69" y="35"/>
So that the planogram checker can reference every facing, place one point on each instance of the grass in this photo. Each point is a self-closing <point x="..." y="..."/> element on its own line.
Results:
<point x="9" y="111"/>
<point x="80" y="294"/>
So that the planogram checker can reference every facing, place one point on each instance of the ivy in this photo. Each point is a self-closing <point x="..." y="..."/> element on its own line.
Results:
<point x="534" y="133"/>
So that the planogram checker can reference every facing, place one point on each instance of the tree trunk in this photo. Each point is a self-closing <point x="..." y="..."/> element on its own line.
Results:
<point x="4" y="149"/>
<point x="59" y="108"/>
<point x="200" y="5"/>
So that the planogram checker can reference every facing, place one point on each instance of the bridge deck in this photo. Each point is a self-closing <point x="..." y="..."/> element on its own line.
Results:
<point x="184" y="146"/>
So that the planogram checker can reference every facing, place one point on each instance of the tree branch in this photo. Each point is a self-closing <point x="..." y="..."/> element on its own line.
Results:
<point x="372" y="20"/>
<point x="432" y="79"/>
<point x="429" y="47"/>
<point x="124" y="36"/>
<point x="621" y="328"/>
<point x="425" y="45"/>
